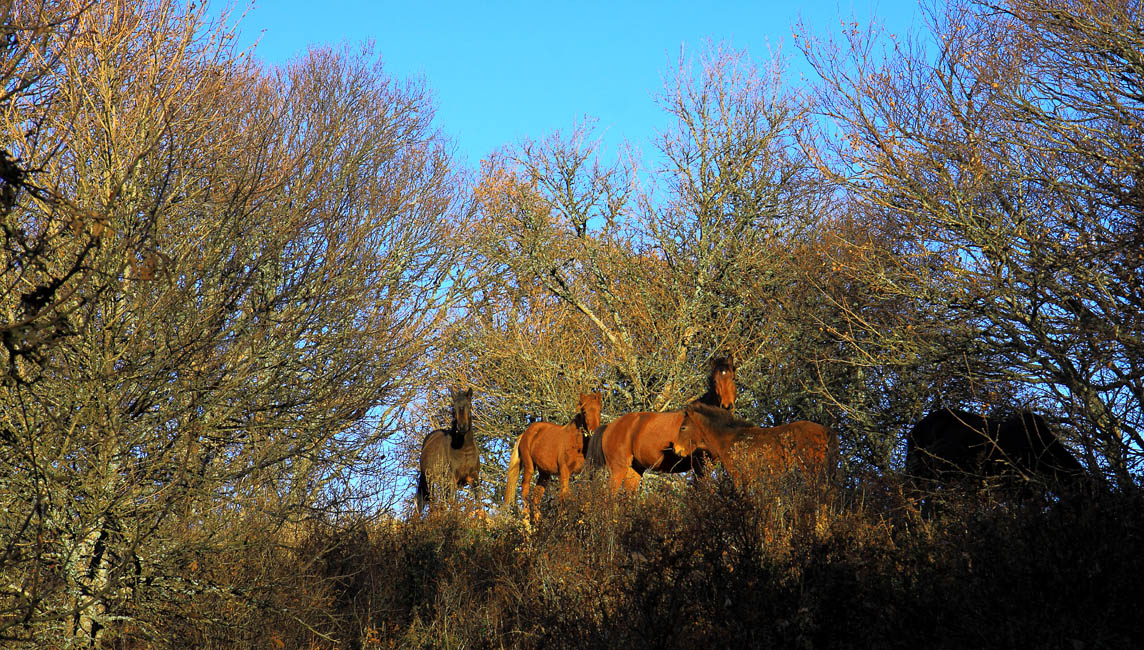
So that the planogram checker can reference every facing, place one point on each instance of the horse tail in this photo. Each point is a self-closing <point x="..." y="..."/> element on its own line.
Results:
<point x="512" y="474"/>
<point x="422" y="491"/>
<point x="426" y="461"/>
<point x="830" y="476"/>
<point x="919" y="464"/>
<point x="595" y="451"/>
<point x="833" y="456"/>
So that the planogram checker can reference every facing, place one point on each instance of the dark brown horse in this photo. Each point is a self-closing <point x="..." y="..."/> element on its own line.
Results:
<point x="746" y="450"/>
<point x="637" y="442"/>
<point x="952" y="445"/>
<point x="449" y="457"/>
<point x="551" y="450"/>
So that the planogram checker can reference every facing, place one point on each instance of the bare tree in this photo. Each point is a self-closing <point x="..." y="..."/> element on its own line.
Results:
<point x="45" y="257"/>
<point x="739" y="200"/>
<point x="587" y="279"/>
<point x="1001" y="158"/>
<point x="269" y="272"/>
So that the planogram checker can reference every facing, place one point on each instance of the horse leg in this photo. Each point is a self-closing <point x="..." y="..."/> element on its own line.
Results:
<point x="474" y="483"/>
<point x="525" y="490"/>
<point x="541" y="483"/>
<point x="631" y="480"/>
<point x="565" y="475"/>
<point x="615" y="482"/>
<point x="620" y="474"/>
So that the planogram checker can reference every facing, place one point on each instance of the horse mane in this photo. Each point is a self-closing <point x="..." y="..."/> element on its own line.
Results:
<point x="581" y="422"/>
<point x="720" y="418"/>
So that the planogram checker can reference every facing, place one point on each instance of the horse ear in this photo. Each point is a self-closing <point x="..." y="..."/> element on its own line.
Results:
<point x="469" y="392"/>
<point x="727" y="360"/>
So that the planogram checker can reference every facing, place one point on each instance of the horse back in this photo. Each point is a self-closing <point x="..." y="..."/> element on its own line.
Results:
<point x="808" y="446"/>
<point x="948" y="439"/>
<point x="646" y="437"/>
<point x="545" y="443"/>
<point x="433" y="448"/>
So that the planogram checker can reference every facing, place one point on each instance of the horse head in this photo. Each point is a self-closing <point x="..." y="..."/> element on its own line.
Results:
<point x="688" y="439"/>
<point x="463" y="411"/>
<point x="711" y="429"/>
<point x="721" y="383"/>
<point x="696" y="432"/>
<point x="588" y="413"/>
<point x="1027" y="440"/>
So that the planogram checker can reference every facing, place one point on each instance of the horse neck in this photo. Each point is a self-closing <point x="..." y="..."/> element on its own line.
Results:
<point x="713" y="398"/>
<point x="718" y="440"/>
<point x="464" y="433"/>
<point x="579" y="423"/>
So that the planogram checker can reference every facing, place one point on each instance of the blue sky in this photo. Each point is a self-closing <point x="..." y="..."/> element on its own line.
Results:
<point x="501" y="71"/>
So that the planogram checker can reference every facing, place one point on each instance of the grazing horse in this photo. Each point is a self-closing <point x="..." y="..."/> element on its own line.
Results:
<point x="949" y="444"/>
<point x="806" y="446"/>
<point x="449" y="457"/>
<point x="637" y="442"/>
<point x="551" y="450"/>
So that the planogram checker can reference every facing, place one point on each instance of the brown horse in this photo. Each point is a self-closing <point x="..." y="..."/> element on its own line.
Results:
<point x="806" y="446"/>
<point x="950" y="445"/>
<point x="637" y="442"/>
<point x="449" y="457"/>
<point x="551" y="450"/>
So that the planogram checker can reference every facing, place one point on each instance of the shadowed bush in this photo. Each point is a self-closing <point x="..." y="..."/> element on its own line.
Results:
<point x="710" y="565"/>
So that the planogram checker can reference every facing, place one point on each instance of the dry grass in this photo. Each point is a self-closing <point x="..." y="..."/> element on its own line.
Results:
<point x="706" y="565"/>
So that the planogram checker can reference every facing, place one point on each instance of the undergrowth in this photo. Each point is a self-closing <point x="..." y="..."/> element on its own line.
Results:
<point x="713" y="566"/>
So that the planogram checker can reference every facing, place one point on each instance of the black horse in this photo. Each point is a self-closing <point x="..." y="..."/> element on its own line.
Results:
<point x="950" y="445"/>
<point x="449" y="457"/>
